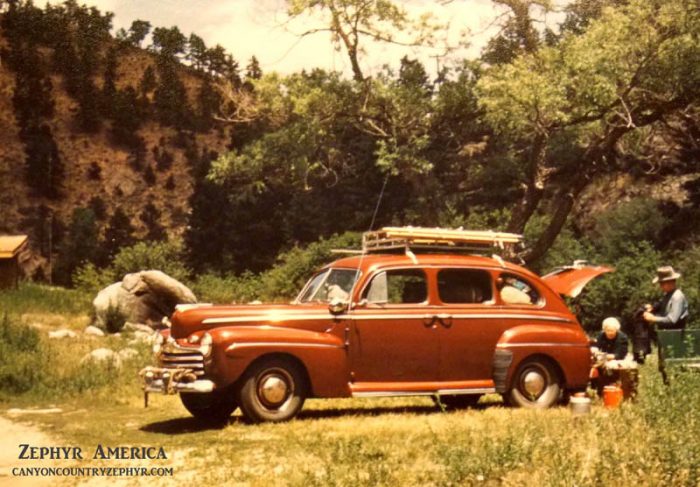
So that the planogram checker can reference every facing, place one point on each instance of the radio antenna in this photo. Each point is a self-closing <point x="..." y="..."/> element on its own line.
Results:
<point x="364" y="251"/>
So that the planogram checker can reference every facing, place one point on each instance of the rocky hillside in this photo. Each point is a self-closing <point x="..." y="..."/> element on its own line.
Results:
<point x="148" y="174"/>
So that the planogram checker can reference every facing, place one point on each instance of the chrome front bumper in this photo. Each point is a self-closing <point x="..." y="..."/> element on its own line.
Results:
<point x="181" y="369"/>
<point x="172" y="381"/>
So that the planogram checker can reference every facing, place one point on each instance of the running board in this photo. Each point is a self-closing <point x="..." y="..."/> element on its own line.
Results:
<point x="439" y="392"/>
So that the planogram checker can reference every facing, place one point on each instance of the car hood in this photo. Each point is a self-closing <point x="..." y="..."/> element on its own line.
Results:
<point x="570" y="280"/>
<point x="190" y="318"/>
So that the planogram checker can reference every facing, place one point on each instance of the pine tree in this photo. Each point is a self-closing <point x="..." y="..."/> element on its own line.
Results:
<point x="150" y="216"/>
<point x="118" y="234"/>
<point x="80" y="245"/>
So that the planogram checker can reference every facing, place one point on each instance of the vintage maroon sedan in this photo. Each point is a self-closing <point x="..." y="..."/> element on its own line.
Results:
<point x="421" y="322"/>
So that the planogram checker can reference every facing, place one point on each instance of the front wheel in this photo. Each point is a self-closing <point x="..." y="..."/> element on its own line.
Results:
<point x="272" y="390"/>
<point x="535" y="385"/>
<point x="215" y="406"/>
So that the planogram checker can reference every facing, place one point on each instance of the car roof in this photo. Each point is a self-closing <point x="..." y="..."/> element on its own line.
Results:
<point x="370" y="261"/>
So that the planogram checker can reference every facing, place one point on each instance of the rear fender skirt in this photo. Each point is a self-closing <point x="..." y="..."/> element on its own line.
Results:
<point x="566" y="346"/>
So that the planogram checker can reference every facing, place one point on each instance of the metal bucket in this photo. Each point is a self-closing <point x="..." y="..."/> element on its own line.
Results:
<point x="580" y="406"/>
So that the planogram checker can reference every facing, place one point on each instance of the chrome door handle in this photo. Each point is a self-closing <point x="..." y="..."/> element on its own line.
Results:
<point x="444" y="319"/>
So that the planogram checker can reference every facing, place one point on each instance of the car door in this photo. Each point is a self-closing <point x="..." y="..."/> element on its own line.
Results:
<point x="470" y="326"/>
<point x="392" y="341"/>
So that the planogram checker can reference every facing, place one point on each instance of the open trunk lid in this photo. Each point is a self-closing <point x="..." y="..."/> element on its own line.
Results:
<point x="570" y="280"/>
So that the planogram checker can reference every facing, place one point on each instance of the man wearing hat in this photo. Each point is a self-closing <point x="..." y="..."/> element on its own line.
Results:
<point x="671" y="313"/>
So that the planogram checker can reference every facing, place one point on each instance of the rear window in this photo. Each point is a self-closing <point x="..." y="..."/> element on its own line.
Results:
<point x="464" y="286"/>
<point x="515" y="291"/>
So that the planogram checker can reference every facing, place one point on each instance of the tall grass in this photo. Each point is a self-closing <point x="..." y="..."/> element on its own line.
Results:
<point x="34" y="369"/>
<point x="36" y="298"/>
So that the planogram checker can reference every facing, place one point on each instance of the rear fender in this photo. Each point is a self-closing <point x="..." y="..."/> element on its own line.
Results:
<point x="323" y="355"/>
<point x="564" y="345"/>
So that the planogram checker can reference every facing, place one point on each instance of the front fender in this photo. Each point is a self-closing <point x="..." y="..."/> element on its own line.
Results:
<point x="566" y="345"/>
<point x="323" y="355"/>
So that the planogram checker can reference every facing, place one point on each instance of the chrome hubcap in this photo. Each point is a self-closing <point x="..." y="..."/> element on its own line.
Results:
<point x="273" y="390"/>
<point x="533" y="383"/>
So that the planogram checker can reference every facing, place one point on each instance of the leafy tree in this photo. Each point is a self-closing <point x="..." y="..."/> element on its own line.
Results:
<point x="351" y="21"/>
<point x="138" y="31"/>
<point x="168" y="42"/>
<point x="587" y="93"/>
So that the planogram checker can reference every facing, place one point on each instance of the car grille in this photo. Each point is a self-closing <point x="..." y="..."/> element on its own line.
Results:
<point x="176" y="357"/>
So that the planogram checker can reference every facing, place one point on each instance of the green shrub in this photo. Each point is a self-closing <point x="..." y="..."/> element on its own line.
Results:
<point x="20" y="357"/>
<point x="114" y="319"/>
<point x="618" y="230"/>
<point x="164" y="256"/>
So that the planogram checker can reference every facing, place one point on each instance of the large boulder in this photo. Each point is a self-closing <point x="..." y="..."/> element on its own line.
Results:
<point x="141" y="297"/>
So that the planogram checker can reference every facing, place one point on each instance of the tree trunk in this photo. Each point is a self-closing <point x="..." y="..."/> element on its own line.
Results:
<point x="572" y="189"/>
<point x="534" y="187"/>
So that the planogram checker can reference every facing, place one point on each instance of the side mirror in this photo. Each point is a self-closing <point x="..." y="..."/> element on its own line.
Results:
<point x="337" y="306"/>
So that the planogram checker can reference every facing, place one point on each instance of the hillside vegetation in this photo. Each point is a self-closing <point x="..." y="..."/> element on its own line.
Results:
<point x="583" y="137"/>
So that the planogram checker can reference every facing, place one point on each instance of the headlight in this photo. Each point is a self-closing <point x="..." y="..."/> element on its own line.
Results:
<point x="205" y="344"/>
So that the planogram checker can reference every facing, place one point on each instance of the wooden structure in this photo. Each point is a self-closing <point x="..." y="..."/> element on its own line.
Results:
<point x="10" y="248"/>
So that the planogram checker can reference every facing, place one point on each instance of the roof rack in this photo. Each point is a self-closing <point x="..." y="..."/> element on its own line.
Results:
<point x="437" y="239"/>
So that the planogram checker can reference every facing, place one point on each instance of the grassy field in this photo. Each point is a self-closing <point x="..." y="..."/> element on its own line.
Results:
<point x="408" y="441"/>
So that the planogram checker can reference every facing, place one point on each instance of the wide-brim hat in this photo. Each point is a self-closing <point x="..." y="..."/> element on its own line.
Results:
<point x="666" y="273"/>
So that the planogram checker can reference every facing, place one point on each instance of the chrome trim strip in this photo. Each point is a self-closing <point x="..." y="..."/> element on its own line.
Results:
<point x="483" y="390"/>
<point x="471" y="316"/>
<point x="377" y="316"/>
<point x="235" y="346"/>
<point x="266" y="318"/>
<point x="541" y="344"/>
<point x="439" y="392"/>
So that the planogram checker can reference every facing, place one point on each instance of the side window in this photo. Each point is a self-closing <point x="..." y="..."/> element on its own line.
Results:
<point x="400" y="286"/>
<point x="515" y="290"/>
<point x="464" y="286"/>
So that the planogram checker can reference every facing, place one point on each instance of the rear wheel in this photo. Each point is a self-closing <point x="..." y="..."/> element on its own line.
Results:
<point x="215" y="406"/>
<point x="272" y="390"/>
<point x="535" y="385"/>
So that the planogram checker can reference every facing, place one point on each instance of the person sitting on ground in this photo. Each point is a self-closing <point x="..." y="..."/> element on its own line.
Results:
<point x="614" y="344"/>
<point x="611" y="340"/>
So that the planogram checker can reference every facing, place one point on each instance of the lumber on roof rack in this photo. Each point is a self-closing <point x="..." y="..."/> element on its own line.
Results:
<point x="392" y="238"/>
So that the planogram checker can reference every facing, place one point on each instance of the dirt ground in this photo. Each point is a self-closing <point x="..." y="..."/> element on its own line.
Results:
<point x="14" y="434"/>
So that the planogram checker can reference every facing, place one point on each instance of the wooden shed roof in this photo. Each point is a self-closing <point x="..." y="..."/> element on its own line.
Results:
<point x="10" y="245"/>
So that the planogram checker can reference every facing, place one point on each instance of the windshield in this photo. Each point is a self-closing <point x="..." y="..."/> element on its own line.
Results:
<point x="327" y="285"/>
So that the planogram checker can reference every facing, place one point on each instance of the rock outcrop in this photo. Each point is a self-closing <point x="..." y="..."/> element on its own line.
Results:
<point x="142" y="297"/>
